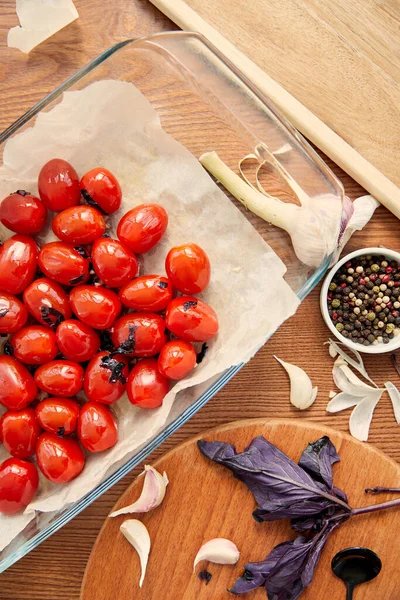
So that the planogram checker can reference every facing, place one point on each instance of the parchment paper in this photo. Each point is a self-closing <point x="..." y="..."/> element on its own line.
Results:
<point x="39" y="20"/>
<point x="110" y="123"/>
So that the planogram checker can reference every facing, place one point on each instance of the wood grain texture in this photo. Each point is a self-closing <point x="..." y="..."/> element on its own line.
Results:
<point x="205" y="501"/>
<point x="54" y="570"/>
<point x="339" y="59"/>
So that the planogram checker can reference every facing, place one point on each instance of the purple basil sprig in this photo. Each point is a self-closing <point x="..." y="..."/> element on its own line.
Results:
<point x="302" y="492"/>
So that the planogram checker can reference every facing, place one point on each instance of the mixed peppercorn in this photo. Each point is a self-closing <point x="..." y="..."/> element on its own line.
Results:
<point x="364" y="299"/>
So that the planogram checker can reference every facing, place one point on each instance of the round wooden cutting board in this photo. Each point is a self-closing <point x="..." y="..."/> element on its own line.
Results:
<point x="204" y="501"/>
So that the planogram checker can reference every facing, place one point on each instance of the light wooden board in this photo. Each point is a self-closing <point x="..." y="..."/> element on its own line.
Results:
<point x="333" y="143"/>
<point x="340" y="59"/>
<point x="204" y="501"/>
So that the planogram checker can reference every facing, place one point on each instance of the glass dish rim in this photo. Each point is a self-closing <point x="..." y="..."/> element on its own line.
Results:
<point x="224" y="378"/>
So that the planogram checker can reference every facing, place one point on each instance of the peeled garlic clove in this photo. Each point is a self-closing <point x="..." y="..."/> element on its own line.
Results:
<point x="152" y="495"/>
<point x="218" y="550"/>
<point x="302" y="394"/>
<point x="136" y="533"/>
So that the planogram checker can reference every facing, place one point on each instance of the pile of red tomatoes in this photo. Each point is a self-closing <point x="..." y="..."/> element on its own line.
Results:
<point x="79" y="317"/>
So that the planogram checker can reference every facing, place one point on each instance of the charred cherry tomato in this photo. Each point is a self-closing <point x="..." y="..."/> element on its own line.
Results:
<point x="77" y="341"/>
<point x="149" y="292"/>
<point x="177" y="358"/>
<point x="105" y="378"/>
<point x="17" y="386"/>
<point x="59" y="459"/>
<point x="60" y="377"/>
<point x="58" y="185"/>
<point x="143" y="227"/>
<point x="139" y="334"/>
<point x="58" y="415"/>
<point x="146" y="387"/>
<point x="47" y="302"/>
<point x="101" y="187"/>
<point x="114" y="263"/>
<point x="98" y="307"/>
<point x="188" y="268"/>
<point x="13" y="314"/>
<point x="64" y="263"/>
<point x="34" y="345"/>
<point x="19" y="432"/>
<point x="19" y="481"/>
<point x="79" y="225"/>
<point x="23" y="213"/>
<point x="97" y="427"/>
<point x="18" y="261"/>
<point x="191" y="319"/>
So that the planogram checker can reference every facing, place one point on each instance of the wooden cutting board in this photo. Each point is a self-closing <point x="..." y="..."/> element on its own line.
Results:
<point x="330" y="66"/>
<point x="204" y="501"/>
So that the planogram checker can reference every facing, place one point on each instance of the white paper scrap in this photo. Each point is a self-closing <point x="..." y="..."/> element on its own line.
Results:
<point x="39" y="20"/>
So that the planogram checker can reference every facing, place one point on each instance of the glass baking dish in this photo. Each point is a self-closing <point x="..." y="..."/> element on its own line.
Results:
<point x="205" y="103"/>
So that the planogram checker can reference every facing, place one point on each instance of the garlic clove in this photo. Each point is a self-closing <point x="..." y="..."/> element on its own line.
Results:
<point x="342" y="401"/>
<point x="302" y="394"/>
<point x="218" y="550"/>
<point x="152" y="495"/>
<point x="358" y="216"/>
<point x="137" y="535"/>
<point x="395" y="398"/>
<point x="360" y="418"/>
<point x="332" y="394"/>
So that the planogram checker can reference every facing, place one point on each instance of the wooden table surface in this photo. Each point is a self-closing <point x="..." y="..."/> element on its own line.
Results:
<point x="54" y="570"/>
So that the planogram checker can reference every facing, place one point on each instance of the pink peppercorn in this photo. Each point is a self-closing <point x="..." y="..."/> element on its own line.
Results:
<point x="385" y="278"/>
<point x="363" y="282"/>
<point x="373" y="277"/>
<point x="389" y="269"/>
<point x="334" y="316"/>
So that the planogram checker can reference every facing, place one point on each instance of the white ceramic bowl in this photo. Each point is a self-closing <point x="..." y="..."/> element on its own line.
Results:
<point x="380" y="348"/>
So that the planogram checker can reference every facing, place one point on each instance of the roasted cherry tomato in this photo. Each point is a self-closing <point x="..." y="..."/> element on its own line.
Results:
<point x="97" y="427"/>
<point x="188" y="268"/>
<point x="58" y="415"/>
<point x="18" y="261"/>
<point x="79" y="225"/>
<point x="19" y="432"/>
<point x="77" y="341"/>
<point x="58" y="185"/>
<point x="64" y="263"/>
<point x="23" y="213"/>
<point x="114" y="263"/>
<point x="47" y="302"/>
<point x="19" y="481"/>
<point x="101" y="187"/>
<point x="13" y="314"/>
<point x="177" y="358"/>
<point x="98" y="307"/>
<point x="17" y="386"/>
<point x="59" y="459"/>
<point x="143" y="227"/>
<point x="149" y="292"/>
<point x="105" y="378"/>
<point x="60" y="377"/>
<point x="139" y="334"/>
<point x="34" y="345"/>
<point x="191" y="319"/>
<point x="146" y="387"/>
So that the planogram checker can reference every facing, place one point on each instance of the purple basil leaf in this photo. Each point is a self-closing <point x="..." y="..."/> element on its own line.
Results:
<point x="281" y="488"/>
<point x="287" y="570"/>
<point x="318" y="459"/>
